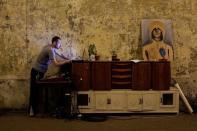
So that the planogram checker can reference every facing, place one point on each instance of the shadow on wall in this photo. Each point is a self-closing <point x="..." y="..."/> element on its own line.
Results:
<point x="193" y="102"/>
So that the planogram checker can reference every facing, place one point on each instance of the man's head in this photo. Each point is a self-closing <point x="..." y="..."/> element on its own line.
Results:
<point x="56" y="42"/>
<point x="157" y="34"/>
<point x="157" y="30"/>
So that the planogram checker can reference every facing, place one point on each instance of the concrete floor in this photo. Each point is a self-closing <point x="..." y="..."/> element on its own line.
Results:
<point x="20" y="122"/>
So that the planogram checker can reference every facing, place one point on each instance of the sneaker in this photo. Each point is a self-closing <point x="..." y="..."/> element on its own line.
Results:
<point x="31" y="113"/>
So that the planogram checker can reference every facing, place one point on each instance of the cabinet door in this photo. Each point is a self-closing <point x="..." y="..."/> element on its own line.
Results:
<point x="135" y="101"/>
<point x="161" y="75"/>
<point x="169" y="101"/>
<point x="102" y="101"/>
<point x="141" y="76"/>
<point x="84" y="99"/>
<point x="81" y="76"/>
<point x="101" y="75"/>
<point x="150" y="101"/>
<point x="118" y="101"/>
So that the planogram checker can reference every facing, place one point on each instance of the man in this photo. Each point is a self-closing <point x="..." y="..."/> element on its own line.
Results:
<point x="46" y="56"/>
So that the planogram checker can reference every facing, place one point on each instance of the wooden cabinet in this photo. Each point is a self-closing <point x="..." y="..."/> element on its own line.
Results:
<point x="81" y="76"/>
<point x="101" y="76"/>
<point x="124" y="87"/>
<point x="141" y="76"/>
<point x="128" y="101"/>
<point x="121" y="75"/>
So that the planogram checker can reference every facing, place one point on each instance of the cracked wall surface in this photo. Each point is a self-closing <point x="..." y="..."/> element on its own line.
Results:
<point x="27" y="25"/>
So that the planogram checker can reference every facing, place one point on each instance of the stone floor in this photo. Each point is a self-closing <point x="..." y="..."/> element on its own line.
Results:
<point x="21" y="122"/>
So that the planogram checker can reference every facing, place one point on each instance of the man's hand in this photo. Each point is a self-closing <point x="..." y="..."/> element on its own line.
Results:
<point x="67" y="61"/>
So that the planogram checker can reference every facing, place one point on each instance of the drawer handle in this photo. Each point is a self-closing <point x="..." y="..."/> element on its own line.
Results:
<point x="108" y="101"/>
<point x="161" y="100"/>
<point x="141" y="101"/>
<point x="88" y="99"/>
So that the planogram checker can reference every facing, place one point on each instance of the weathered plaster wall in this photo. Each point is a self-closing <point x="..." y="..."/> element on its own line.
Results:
<point x="13" y="94"/>
<point x="27" y="25"/>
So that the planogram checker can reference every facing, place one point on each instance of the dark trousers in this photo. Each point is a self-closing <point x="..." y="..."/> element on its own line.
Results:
<point x="34" y="90"/>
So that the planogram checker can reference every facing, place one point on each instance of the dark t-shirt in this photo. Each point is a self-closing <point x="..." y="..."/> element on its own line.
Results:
<point x="44" y="59"/>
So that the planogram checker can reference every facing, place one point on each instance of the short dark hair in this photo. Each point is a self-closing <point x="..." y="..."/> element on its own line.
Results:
<point x="55" y="38"/>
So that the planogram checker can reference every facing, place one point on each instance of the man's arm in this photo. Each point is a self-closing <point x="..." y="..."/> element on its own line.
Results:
<point x="62" y="56"/>
<point x="52" y="56"/>
<point x="59" y="63"/>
